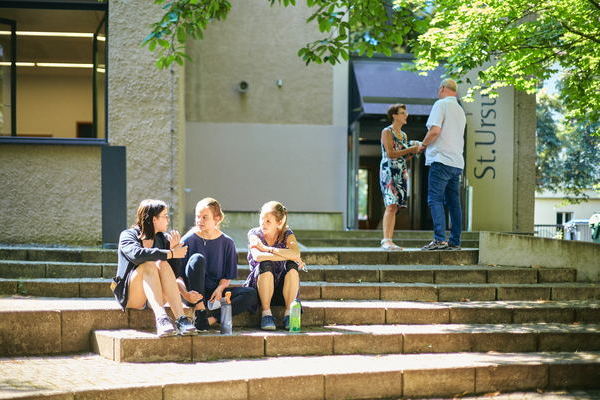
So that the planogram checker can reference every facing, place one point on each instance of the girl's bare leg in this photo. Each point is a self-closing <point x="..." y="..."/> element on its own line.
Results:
<point x="265" y="283"/>
<point x="169" y="288"/>
<point x="145" y="286"/>
<point x="291" y="284"/>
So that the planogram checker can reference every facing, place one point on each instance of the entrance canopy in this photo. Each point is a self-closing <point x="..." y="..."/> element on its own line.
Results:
<point x="379" y="82"/>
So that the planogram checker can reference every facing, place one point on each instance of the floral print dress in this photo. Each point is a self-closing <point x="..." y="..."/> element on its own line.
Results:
<point x="393" y="173"/>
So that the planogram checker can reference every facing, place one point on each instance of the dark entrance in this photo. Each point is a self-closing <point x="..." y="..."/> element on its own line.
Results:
<point x="375" y="83"/>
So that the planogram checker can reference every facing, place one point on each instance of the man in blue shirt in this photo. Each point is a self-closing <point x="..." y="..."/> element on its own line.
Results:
<point x="443" y="145"/>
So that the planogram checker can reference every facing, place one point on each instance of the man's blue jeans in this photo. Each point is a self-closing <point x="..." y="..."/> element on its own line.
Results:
<point x="444" y="190"/>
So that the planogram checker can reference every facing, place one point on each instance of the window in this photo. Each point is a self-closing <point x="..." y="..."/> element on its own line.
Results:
<point x="53" y="70"/>
<point x="563" y="217"/>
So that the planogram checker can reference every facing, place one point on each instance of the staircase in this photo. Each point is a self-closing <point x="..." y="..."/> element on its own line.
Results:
<point x="372" y="238"/>
<point x="376" y="324"/>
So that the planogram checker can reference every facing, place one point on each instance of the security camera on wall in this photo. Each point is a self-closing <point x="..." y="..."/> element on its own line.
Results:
<point x="242" y="87"/>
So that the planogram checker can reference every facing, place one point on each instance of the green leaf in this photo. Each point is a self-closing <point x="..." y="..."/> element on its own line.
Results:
<point x="181" y="34"/>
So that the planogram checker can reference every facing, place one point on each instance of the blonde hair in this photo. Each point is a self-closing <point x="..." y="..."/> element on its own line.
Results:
<point x="214" y="206"/>
<point x="279" y="212"/>
<point x="449" y="84"/>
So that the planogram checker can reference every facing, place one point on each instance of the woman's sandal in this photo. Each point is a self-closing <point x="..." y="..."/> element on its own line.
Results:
<point x="389" y="245"/>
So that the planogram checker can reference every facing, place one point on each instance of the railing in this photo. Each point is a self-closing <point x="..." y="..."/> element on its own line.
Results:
<point x="581" y="232"/>
<point x="549" y="231"/>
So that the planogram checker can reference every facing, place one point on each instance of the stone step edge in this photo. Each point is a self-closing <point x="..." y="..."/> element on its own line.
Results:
<point x="329" y="256"/>
<point x="311" y="290"/>
<point x="137" y="346"/>
<point x="356" y="266"/>
<point x="239" y="282"/>
<point x="330" y="273"/>
<point x="345" y="377"/>
<point x="68" y="330"/>
<point x="37" y="304"/>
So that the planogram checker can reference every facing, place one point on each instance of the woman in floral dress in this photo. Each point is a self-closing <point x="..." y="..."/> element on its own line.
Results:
<point x="393" y="173"/>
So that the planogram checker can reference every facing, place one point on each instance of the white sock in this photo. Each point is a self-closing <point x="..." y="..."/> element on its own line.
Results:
<point x="266" y="312"/>
<point x="287" y="313"/>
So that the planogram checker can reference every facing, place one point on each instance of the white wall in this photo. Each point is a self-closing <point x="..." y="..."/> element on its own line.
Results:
<point x="548" y="204"/>
<point x="245" y="165"/>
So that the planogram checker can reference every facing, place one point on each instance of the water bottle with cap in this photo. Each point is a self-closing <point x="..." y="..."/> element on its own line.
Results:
<point x="226" y="317"/>
<point x="295" y="316"/>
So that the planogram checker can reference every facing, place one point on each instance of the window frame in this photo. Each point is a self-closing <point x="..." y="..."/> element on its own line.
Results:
<point x="93" y="5"/>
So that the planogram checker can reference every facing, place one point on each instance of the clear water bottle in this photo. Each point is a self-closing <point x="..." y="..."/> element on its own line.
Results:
<point x="226" y="317"/>
<point x="295" y="316"/>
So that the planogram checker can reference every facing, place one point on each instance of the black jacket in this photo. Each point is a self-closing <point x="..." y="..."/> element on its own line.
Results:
<point x="132" y="253"/>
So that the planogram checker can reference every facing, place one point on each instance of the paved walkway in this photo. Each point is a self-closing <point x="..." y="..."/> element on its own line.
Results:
<point x="45" y="375"/>
<point x="551" y="395"/>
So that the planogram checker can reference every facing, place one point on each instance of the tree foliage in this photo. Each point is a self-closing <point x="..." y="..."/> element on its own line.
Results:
<point x="568" y="156"/>
<point x="516" y="43"/>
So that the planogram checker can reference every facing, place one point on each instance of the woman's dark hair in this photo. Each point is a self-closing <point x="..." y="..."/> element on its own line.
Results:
<point x="147" y="210"/>
<point x="393" y="109"/>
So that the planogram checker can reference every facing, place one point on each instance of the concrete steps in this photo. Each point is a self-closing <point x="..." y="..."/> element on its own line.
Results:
<point x="303" y="234"/>
<point x="372" y="238"/>
<point x="376" y="242"/>
<point x="376" y="325"/>
<point x="65" y="325"/>
<point x="136" y="346"/>
<point x="314" y="290"/>
<point x="320" y="256"/>
<point x="573" y="394"/>
<point x="13" y="269"/>
<point x="303" y="378"/>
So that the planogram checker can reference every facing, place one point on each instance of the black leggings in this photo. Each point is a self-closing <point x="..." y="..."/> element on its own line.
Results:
<point x="268" y="266"/>
<point x="242" y="298"/>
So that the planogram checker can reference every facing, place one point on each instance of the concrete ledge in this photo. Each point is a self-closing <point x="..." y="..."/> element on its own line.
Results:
<point x="136" y="346"/>
<point x="507" y="249"/>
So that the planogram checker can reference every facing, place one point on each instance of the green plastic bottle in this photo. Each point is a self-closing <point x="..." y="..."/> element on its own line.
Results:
<point x="295" y="316"/>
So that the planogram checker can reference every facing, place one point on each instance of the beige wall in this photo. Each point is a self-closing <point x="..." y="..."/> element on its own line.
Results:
<point x="245" y="165"/>
<point x="548" y="204"/>
<point x="527" y="251"/>
<point x="50" y="194"/>
<point x="500" y="160"/>
<point x="52" y="103"/>
<point x="258" y="43"/>
<point x="287" y="143"/>
<point x="145" y="110"/>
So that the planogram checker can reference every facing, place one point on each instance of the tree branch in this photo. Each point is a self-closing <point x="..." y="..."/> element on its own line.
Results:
<point x="572" y="30"/>
<point x="595" y="4"/>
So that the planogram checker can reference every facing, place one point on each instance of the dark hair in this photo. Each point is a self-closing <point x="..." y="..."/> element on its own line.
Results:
<point x="393" y="109"/>
<point x="147" y="210"/>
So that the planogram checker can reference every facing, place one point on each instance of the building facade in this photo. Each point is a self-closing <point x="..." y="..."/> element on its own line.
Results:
<point x="90" y="126"/>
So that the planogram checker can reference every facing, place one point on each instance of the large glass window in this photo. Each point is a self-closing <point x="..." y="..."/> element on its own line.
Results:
<point x="59" y="83"/>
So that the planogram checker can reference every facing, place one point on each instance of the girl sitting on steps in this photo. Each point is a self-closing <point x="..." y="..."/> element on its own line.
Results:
<point x="144" y="274"/>
<point x="274" y="259"/>
<point x="209" y="267"/>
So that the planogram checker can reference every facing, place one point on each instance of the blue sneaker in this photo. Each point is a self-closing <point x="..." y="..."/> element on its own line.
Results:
<point x="286" y="322"/>
<point x="267" y="323"/>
